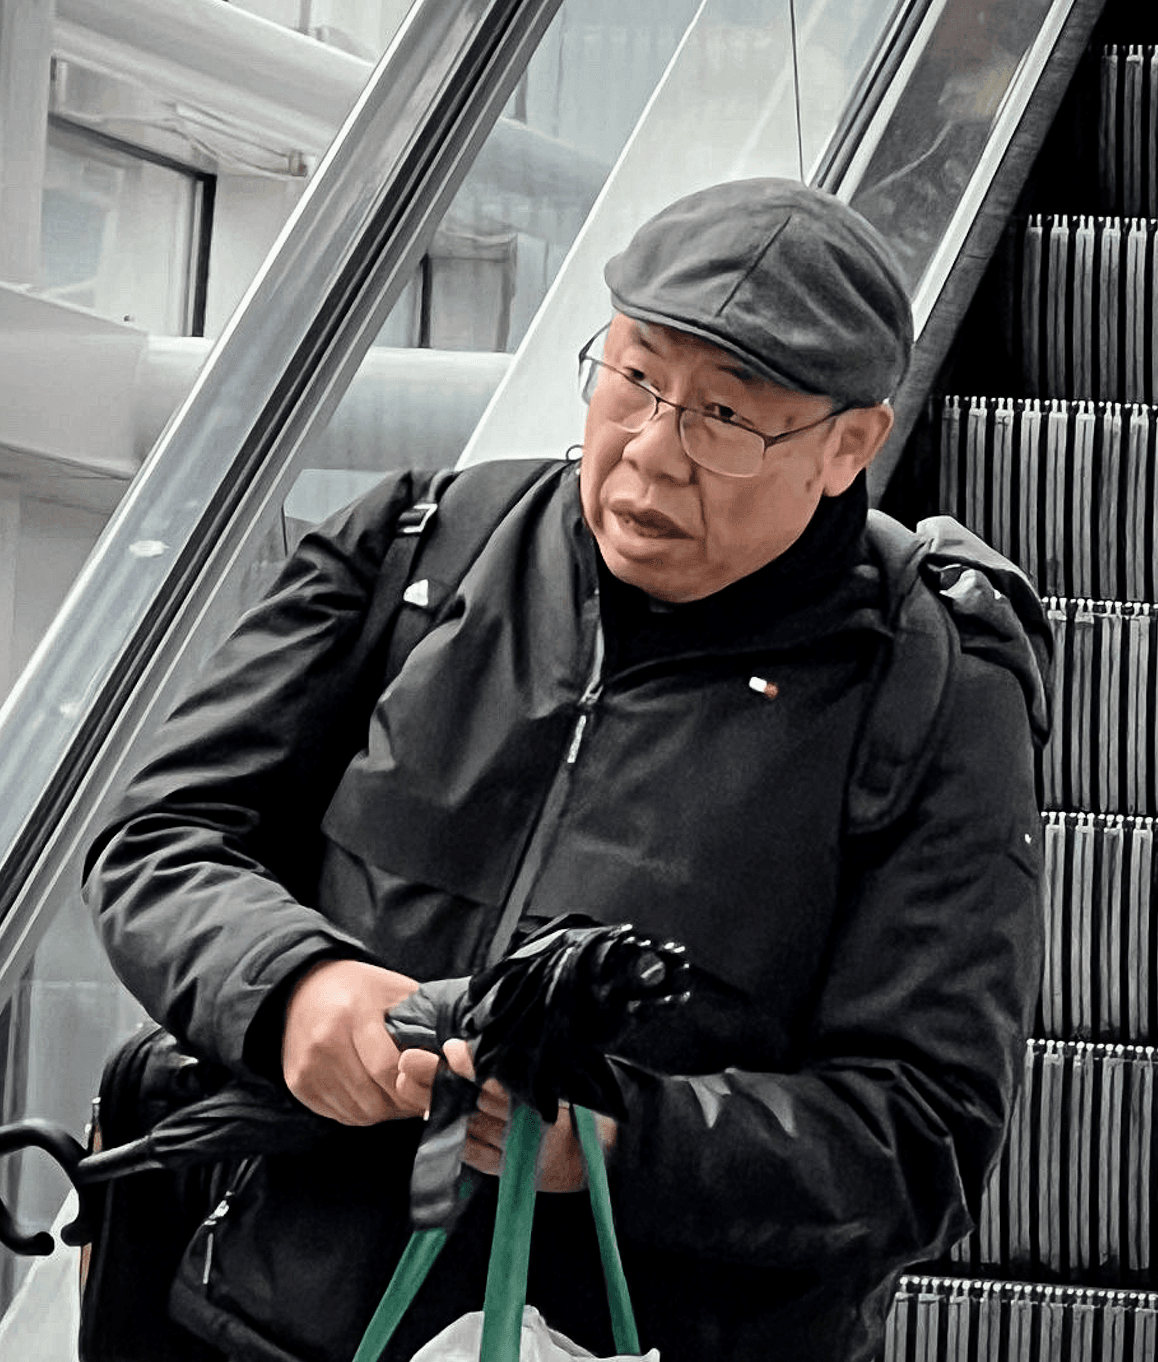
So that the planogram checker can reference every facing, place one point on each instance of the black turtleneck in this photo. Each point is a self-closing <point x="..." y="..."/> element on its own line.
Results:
<point x="825" y="563"/>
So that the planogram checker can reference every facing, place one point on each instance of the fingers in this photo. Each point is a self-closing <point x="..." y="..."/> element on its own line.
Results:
<point x="561" y="1167"/>
<point x="493" y="1099"/>
<point x="415" y="1082"/>
<point x="418" y="1065"/>
<point x="336" y="1086"/>
<point x="485" y="1141"/>
<point x="486" y="1132"/>
<point x="337" y="1056"/>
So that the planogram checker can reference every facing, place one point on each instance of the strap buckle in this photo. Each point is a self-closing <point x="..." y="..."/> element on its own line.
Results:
<point x="415" y="518"/>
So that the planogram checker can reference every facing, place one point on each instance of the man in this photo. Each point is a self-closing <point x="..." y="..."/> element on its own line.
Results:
<point x="660" y="694"/>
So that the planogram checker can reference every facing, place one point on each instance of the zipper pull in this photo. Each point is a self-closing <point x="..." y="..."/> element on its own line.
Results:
<point x="576" y="739"/>
<point x="588" y="700"/>
<point x="219" y="1212"/>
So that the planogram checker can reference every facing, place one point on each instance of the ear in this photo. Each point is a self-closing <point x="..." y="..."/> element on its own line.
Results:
<point x="857" y="436"/>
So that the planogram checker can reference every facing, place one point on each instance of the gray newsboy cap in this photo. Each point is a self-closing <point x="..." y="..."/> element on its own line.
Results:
<point x="787" y="278"/>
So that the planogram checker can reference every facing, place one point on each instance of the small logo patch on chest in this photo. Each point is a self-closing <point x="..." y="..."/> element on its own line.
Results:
<point x="762" y="687"/>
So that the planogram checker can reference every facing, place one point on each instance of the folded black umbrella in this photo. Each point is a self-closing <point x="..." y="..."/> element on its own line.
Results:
<point x="237" y="1120"/>
<point x="541" y="1021"/>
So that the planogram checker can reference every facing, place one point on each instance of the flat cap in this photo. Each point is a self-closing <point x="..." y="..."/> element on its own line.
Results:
<point x="787" y="278"/>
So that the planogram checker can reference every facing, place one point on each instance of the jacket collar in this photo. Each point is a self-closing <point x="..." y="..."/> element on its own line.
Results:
<point x="823" y="585"/>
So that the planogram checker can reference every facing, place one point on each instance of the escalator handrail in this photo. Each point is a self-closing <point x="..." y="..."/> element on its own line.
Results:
<point x="275" y="374"/>
<point x="877" y="79"/>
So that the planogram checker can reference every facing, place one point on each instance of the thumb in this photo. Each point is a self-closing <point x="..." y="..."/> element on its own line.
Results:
<point x="458" y="1056"/>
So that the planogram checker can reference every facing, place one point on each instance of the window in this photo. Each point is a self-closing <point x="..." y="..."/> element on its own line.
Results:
<point x="124" y="232"/>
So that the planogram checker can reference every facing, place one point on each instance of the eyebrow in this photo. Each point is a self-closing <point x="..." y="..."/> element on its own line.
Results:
<point x="734" y="367"/>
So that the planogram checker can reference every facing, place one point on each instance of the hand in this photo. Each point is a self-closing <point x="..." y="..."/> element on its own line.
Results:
<point x="337" y="1056"/>
<point x="561" y="1167"/>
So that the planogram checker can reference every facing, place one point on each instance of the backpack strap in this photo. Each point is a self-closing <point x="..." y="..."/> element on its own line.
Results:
<point x="441" y="533"/>
<point x="909" y="686"/>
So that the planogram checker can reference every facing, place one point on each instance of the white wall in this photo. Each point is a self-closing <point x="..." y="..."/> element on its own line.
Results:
<point x="43" y="545"/>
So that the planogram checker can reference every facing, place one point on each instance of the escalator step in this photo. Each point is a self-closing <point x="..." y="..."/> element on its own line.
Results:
<point x="1072" y="1197"/>
<point x="1102" y="756"/>
<point x="1100" y="977"/>
<point x="939" y="1319"/>
<point x="1066" y="489"/>
<point x="1087" y="301"/>
<point x="1128" y="131"/>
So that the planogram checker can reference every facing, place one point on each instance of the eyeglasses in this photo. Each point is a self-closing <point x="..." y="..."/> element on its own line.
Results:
<point x="714" y="442"/>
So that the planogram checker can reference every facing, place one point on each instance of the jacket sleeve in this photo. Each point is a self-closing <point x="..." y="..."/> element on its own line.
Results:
<point x="201" y="881"/>
<point x="876" y="1149"/>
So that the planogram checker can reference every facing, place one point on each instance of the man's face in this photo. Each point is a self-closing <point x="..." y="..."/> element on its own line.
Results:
<point x="681" y="532"/>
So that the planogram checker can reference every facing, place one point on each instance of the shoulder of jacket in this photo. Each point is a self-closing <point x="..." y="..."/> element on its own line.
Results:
<point x="501" y="475"/>
<point x="457" y="510"/>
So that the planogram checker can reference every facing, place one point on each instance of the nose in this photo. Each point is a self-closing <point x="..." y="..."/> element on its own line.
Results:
<point x="657" y="449"/>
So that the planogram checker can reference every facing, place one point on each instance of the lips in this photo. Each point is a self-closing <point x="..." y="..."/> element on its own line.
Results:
<point x="647" y="521"/>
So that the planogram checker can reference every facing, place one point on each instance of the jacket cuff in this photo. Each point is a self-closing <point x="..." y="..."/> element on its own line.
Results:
<point x="248" y="1028"/>
<point x="261" y="1048"/>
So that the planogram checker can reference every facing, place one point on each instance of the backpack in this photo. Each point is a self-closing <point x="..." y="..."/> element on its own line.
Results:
<point x="947" y="593"/>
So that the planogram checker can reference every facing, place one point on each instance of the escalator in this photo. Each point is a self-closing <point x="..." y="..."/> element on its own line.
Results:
<point x="1040" y="435"/>
<point x="874" y="101"/>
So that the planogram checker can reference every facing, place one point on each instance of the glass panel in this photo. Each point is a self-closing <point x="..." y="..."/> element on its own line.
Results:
<point x="525" y="199"/>
<point x="117" y="232"/>
<point x="933" y="142"/>
<point x="501" y="243"/>
<point x="55" y="1032"/>
<point x="834" y="41"/>
<point x="725" y="108"/>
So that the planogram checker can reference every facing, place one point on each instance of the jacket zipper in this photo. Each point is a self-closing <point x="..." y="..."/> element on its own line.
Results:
<point x="587" y="701"/>
<point x="552" y="807"/>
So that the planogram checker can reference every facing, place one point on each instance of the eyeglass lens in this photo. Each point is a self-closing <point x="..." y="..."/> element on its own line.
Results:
<point x="715" y="445"/>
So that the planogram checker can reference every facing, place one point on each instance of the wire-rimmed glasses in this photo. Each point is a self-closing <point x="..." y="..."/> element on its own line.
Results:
<point x="714" y="442"/>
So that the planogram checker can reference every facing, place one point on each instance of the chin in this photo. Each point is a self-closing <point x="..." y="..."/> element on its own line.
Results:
<point x="663" y="585"/>
<point x="649" y="565"/>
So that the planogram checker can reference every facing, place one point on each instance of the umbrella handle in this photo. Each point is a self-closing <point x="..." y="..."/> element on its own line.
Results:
<point x="67" y="1151"/>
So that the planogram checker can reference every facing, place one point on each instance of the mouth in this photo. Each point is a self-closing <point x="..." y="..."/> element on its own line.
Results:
<point x="648" y="523"/>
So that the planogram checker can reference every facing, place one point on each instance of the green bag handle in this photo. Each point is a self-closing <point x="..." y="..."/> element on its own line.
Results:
<point x="506" y="1289"/>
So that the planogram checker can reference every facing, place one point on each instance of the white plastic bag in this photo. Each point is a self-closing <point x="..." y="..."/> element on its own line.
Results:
<point x="460" y="1342"/>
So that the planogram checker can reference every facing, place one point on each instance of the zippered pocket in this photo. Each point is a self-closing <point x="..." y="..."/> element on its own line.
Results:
<point x="208" y="1229"/>
<point x="293" y="1256"/>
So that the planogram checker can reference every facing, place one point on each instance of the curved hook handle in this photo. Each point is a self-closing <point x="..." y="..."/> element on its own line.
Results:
<point x="67" y="1151"/>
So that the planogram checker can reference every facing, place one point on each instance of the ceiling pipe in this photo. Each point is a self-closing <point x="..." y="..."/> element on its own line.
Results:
<point x="85" y="441"/>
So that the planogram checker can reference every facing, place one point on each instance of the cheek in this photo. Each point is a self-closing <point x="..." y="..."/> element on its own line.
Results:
<point x="601" y="456"/>
<point x="735" y="530"/>
<point x="748" y="526"/>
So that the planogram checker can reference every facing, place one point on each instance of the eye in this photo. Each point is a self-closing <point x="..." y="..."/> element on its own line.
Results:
<point x="639" y="377"/>
<point x="721" y="412"/>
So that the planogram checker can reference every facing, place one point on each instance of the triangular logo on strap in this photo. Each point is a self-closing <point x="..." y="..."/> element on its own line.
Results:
<point x="418" y="593"/>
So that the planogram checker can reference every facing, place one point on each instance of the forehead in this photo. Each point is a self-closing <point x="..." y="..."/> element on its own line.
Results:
<point x="676" y="347"/>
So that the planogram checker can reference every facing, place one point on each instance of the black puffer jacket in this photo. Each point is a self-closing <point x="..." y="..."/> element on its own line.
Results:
<point x="824" y="1111"/>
